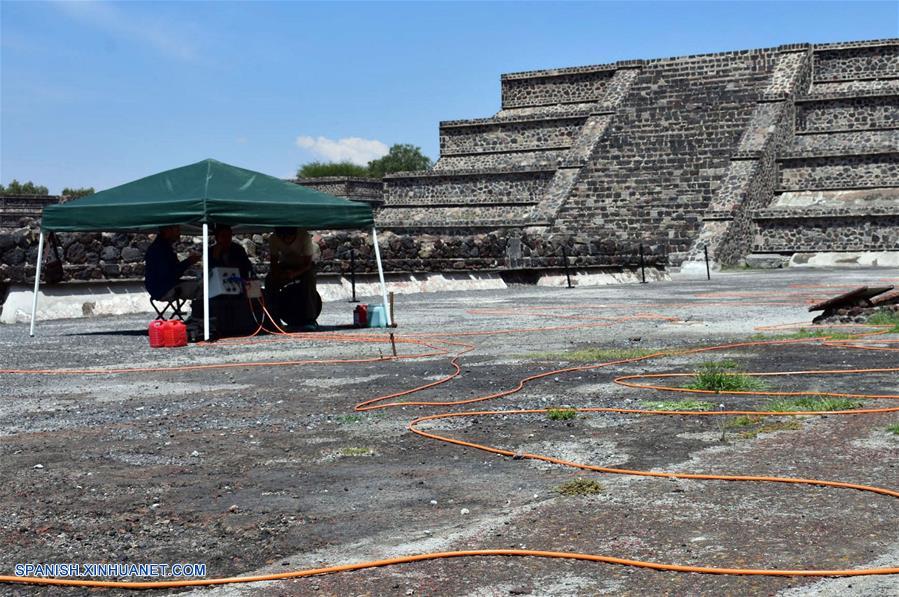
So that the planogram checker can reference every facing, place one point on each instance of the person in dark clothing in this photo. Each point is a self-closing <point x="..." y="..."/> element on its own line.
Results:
<point x="234" y="315"/>
<point x="163" y="270"/>
<point x="226" y="253"/>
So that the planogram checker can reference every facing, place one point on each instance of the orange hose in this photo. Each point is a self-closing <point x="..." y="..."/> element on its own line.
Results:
<point x="441" y="346"/>
<point x="562" y="555"/>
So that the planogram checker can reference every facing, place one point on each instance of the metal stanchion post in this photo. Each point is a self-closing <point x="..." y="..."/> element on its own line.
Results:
<point x="708" y="273"/>
<point x="353" y="274"/>
<point x="642" y="265"/>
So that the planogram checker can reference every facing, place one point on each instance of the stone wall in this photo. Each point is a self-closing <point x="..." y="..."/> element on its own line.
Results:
<point x="86" y="256"/>
<point x="805" y="230"/>
<point x="15" y="208"/>
<point x="871" y="61"/>
<point x="506" y="135"/>
<point x="657" y="168"/>
<point x="544" y="147"/>
<point x="842" y="143"/>
<point x="499" y="186"/>
<point x="752" y="177"/>
<point x="368" y="190"/>
<point x="840" y="172"/>
<point x="848" y="113"/>
<point x="513" y="159"/>
<point x="563" y="86"/>
<point x="104" y="256"/>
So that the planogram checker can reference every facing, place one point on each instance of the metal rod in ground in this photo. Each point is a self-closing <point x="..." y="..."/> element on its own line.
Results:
<point x="392" y="319"/>
<point x="708" y="273"/>
<point x="565" y="265"/>
<point x="642" y="265"/>
<point x="392" y="344"/>
<point x="353" y="274"/>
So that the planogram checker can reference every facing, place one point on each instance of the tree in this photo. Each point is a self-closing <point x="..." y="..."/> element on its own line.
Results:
<point x="402" y="157"/>
<point x="28" y="188"/>
<point x="75" y="193"/>
<point x="320" y="169"/>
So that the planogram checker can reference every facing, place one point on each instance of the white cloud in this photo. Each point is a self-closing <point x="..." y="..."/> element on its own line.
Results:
<point x="350" y="149"/>
<point x="109" y="18"/>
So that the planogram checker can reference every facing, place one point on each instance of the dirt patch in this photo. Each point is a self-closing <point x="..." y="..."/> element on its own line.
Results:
<point x="267" y="469"/>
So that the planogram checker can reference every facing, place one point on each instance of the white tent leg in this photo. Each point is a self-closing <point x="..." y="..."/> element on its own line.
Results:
<point x="374" y="237"/>
<point x="37" y="280"/>
<point x="206" y="282"/>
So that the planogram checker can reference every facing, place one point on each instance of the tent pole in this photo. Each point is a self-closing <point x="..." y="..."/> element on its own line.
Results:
<point x="374" y="237"/>
<point x="206" y="282"/>
<point x="37" y="280"/>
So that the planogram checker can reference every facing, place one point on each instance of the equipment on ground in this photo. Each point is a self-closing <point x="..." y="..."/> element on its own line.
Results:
<point x="225" y="280"/>
<point x="167" y="334"/>
<point x="360" y="316"/>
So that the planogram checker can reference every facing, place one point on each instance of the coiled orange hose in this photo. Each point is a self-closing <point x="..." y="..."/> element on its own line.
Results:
<point x="441" y="346"/>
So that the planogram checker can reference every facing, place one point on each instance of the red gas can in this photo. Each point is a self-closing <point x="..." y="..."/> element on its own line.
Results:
<point x="174" y="334"/>
<point x="155" y="333"/>
<point x="360" y="316"/>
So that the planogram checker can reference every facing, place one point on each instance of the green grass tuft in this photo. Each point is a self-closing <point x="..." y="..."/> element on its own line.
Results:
<point x="772" y="427"/>
<point x="894" y="429"/>
<point x="813" y="403"/>
<point x="743" y="421"/>
<point x="886" y="318"/>
<point x="349" y="419"/>
<point x="560" y="414"/>
<point x="807" y="333"/>
<point x="678" y="405"/>
<point x="579" y="486"/>
<point x="722" y="377"/>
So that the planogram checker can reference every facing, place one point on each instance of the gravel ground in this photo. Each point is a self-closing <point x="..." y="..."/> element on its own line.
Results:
<point x="261" y="467"/>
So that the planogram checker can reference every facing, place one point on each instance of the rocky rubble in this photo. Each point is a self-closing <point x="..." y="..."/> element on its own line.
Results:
<point x="855" y="314"/>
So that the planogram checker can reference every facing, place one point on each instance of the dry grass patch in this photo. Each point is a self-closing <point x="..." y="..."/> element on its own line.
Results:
<point x="579" y="486"/>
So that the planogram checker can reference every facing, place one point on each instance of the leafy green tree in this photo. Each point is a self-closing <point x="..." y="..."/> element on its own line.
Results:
<point x="81" y="192"/>
<point x="18" y="188"/>
<point x="401" y="157"/>
<point x="319" y="169"/>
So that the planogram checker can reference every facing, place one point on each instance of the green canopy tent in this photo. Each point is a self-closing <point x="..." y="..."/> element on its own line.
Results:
<point x="197" y="195"/>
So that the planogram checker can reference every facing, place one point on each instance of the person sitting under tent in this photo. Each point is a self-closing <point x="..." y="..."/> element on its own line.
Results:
<point x="231" y="314"/>
<point x="290" y="284"/>
<point x="227" y="253"/>
<point x="163" y="270"/>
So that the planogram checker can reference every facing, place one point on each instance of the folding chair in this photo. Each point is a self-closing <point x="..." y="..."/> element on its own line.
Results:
<point x="173" y="303"/>
<point x="175" y="299"/>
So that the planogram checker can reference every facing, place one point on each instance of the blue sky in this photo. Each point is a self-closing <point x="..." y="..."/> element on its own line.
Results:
<point x="96" y="94"/>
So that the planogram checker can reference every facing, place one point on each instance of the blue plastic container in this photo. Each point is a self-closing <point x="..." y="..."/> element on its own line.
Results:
<point x="376" y="316"/>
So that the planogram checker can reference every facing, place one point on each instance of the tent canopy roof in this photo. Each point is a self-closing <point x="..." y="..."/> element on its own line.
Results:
<point x="206" y="192"/>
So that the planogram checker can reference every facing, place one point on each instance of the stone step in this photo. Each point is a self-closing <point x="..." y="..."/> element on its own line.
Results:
<point x="836" y="200"/>
<point x="490" y="216"/>
<point x="467" y="187"/>
<point x="873" y="170"/>
<point x="501" y="136"/>
<point x="834" y="114"/>
<point x="843" y="143"/>
<point x="520" y="90"/>
<point x="810" y="231"/>
<point x="878" y="59"/>
<point x="583" y="109"/>
<point x="550" y="158"/>
<point x="849" y="89"/>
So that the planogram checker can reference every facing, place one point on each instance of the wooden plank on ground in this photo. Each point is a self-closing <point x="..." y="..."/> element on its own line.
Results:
<point x="851" y="298"/>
